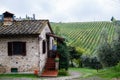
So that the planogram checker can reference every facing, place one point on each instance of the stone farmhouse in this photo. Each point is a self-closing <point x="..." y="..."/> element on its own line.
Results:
<point x="26" y="45"/>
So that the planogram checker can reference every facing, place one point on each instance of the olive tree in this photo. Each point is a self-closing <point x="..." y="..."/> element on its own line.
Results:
<point x="106" y="54"/>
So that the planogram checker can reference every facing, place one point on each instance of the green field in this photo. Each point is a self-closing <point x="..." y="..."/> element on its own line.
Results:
<point x="86" y="35"/>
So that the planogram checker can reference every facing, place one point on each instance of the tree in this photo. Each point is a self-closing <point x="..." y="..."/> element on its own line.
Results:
<point x="113" y="19"/>
<point x="64" y="55"/>
<point x="116" y="49"/>
<point x="75" y="53"/>
<point x="62" y="49"/>
<point x="116" y="41"/>
<point x="106" y="54"/>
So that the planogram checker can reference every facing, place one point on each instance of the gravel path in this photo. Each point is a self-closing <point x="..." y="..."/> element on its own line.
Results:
<point x="91" y="78"/>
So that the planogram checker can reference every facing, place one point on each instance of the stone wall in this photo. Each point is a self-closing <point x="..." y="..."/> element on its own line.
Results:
<point x="43" y="57"/>
<point x="23" y="63"/>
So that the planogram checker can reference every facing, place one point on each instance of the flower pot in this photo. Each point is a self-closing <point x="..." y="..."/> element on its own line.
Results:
<point x="56" y="65"/>
<point x="35" y="72"/>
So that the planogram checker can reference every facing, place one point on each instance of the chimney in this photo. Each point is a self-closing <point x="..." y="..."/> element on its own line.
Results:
<point x="33" y="16"/>
<point x="8" y="18"/>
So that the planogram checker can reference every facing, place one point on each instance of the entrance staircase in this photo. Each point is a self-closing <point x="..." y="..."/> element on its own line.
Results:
<point x="50" y="68"/>
<point x="50" y="64"/>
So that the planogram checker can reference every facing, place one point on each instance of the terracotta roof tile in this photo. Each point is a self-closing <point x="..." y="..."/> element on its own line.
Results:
<point x="23" y="27"/>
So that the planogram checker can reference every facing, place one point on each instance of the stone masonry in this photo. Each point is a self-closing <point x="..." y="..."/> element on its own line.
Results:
<point x="34" y="58"/>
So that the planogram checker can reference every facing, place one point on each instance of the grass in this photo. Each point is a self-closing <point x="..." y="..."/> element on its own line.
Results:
<point x="18" y="76"/>
<point x="107" y="73"/>
<point x="62" y="72"/>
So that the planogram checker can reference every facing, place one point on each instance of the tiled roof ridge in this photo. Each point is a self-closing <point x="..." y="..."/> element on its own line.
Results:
<point x="31" y="20"/>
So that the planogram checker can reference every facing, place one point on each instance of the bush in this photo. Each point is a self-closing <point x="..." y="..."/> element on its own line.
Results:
<point x="63" y="72"/>
<point x="85" y="61"/>
<point x="117" y="67"/>
<point x="106" y="55"/>
<point x="75" y="54"/>
<point x="95" y="64"/>
<point x="91" y="62"/>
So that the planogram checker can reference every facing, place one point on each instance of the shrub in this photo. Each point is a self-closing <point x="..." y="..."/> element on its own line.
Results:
<point x="117" y="67"/>
<point x="64" y="56"/>
<point x="91" y="62"/>
<point x="63" y="72"/>
<point x="85" y="61"/>
<point x="75" y="54"/>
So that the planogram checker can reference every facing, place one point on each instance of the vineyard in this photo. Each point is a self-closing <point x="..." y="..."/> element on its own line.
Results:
<point x="86" y="35"/>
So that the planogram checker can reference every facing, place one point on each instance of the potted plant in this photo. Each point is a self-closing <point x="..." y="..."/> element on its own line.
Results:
<point x="56" y="59"/>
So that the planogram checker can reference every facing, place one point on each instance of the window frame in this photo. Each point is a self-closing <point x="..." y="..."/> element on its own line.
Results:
<point x="12" y="52"/>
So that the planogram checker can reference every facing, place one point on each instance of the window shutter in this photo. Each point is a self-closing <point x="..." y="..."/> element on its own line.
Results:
<point x="9" y="48"/>
<point x="24" y="48"/>
<point x="44" y="46"/>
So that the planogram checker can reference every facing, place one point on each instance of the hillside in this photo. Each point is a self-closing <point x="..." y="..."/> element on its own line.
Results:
<point x="85" y="35"/>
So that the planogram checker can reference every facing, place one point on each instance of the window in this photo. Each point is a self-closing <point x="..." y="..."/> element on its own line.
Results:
<point x="44" y="46"/>
<point x="16" y="48"/>
<point x="14" y="69"/>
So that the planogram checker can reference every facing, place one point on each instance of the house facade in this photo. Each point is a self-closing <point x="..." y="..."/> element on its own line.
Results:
<point x="24" y="45"/>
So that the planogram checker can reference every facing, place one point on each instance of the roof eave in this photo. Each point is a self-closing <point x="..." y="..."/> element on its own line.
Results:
<point x="18" y="35"/>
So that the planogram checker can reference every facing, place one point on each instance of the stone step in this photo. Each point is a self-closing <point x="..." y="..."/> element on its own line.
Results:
<point x="50" y="64"/>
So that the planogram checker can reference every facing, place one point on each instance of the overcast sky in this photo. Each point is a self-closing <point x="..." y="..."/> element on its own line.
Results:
<point x="64" y="10"/>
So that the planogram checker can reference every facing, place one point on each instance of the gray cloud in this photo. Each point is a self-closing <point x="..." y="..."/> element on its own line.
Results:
<point x="63" y="10"/>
